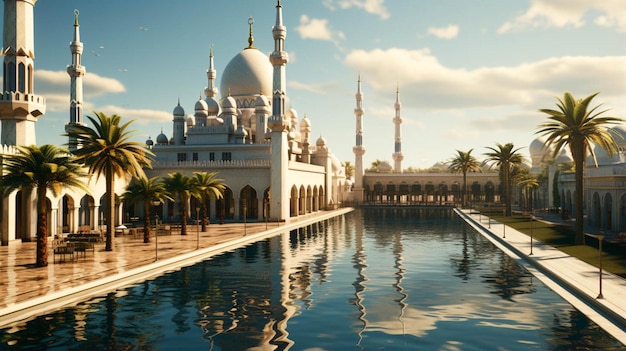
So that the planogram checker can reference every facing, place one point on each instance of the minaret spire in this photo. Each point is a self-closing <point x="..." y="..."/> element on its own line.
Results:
<point x="359" y="148"/>
<point x="279" y="59"/>
<point x="211" y="90"/>
<point x="76" y="72"/>
<point x="397" y="155"/>
<point x="19" y="106"/>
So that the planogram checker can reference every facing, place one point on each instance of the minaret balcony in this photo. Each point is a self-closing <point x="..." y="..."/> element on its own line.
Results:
<point x="16" y="105"/>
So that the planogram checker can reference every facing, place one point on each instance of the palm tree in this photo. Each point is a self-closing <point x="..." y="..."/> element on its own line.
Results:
<point x="528" y="184"/>
<point x="505" y="157"/>
<point x="349" y="168"/>
<point x="573" y="125"/>
<point x="464" y="162"/>
<point x="45" y="168"/>
<point x="143" y="190"/>
<point x="107" y="150"/>
<point x="205" y="185"/>
<point x="180" y="186"/>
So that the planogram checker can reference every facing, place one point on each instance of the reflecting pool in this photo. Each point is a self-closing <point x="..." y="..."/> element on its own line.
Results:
<point x="374" y="279"/>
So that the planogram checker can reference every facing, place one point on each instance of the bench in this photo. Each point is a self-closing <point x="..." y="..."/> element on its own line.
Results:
<point x="62" y="249"/>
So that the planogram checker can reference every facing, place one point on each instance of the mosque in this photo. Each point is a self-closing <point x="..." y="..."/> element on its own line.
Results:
<point x="254" y="139"/>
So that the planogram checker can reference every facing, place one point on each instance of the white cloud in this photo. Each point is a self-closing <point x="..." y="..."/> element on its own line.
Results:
<point x="449" y="32"/>
<point x="318" y="29"/>
<point x="140" y="116"/>
<point x="314" y="28"/>
<point x="563" y="13"/>
<point x="426" y="83"/>
<point x="375" y="7"/>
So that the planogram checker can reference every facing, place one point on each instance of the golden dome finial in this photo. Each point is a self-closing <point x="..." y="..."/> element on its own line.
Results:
<point x="250" y="37"/>
<point x="76" y="13"/>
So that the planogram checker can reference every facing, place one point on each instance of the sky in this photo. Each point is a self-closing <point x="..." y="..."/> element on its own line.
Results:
<point x="470" y="73"/>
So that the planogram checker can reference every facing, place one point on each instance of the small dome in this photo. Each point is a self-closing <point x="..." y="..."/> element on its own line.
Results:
<point x="262" y="105"/>
<point x="564" y="157"/>
<point x="384" y="166"/>
<point x="603" y="158"/>
<point x="291" y="113"/>
<point x="149" y="142"/>
<point x="200" y="106"/>
<point x="538" y="148"/>
<point x="178" y="110"/>
<point x="229" y="105"/>
<point x="321" y="142"/>
<point x="305" y="123"/>
<point x="247" y="73"/>
<point x="213" y="106"/>
<point x="620" y="139"/>
<point x="162" y="139"/>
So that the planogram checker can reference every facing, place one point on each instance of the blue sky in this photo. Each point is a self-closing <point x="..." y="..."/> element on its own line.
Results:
<point x="470" y="73"/>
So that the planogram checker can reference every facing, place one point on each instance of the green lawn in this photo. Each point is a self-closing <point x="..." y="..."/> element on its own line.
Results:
<point x="562" y="238"/>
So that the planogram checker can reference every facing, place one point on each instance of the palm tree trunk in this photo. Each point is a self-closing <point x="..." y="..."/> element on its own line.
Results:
<point x="204" y="200"/>
<point x="464" y="192"/>
<point x="146" y="221"/>
<point x="42" y="228"/>
<point x="183" y="219"/>
<point x="579" y="159"/>
<point x="110" y="208"/>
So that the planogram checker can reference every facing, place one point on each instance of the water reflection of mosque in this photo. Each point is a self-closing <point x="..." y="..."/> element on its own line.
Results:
<point x="246" y="298"/>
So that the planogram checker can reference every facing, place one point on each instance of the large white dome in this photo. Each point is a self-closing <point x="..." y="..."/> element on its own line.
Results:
<point x="247" y="74"/>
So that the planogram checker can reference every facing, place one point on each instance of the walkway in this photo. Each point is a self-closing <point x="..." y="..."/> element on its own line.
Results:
<point x="574" y="280"/>
<point x="26" y="290"/>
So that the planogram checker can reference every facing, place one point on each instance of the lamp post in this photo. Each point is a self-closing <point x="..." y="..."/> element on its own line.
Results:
<point x="531" y="234"/>
<point x="245" y="207"/>
<point x="265" y="203"/>
<point x="197" y="228"/>
<point x="155" y="204"/>
<point x="600" y="238"/>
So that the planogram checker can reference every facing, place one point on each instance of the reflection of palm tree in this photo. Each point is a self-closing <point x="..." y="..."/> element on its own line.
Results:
<point x="44" y="168"/>
<point x="107" y="150"/>
<point x="144" y="191"/>
<point x="573" y="126"/>
<point x="399" y="266"/>
<point x="505" y="157"/>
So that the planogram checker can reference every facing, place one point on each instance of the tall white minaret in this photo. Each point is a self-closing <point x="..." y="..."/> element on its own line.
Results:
<point x="279" y="208"/>
<point x="279" y="59"/>
<point x="211" y="90"/>
<point x="76" y="72"/>
<point x="359" y="148"/>
<point x="19" y="106"/>
<point x="397" y="155"/>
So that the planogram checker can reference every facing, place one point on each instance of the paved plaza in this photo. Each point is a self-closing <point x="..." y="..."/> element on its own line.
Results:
<point x="27" y="290"/>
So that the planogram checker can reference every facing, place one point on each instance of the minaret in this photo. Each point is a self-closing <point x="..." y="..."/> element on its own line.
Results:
<point x="279" y="59"/>
<point x="397" y="155"/>
<point x="211" y="90"/>
<point x="359" y="148"/>
<point x="76" y="72"/>
<point x="19" y="106"/>
<point x="279" y="201"/>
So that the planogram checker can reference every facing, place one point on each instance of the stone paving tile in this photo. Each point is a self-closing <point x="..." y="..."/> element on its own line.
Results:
<point x="20" y="280"/>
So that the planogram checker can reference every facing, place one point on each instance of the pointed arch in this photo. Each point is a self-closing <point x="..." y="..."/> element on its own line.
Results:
<point x="248" y="203"/>
<point x="293" y="202"/>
